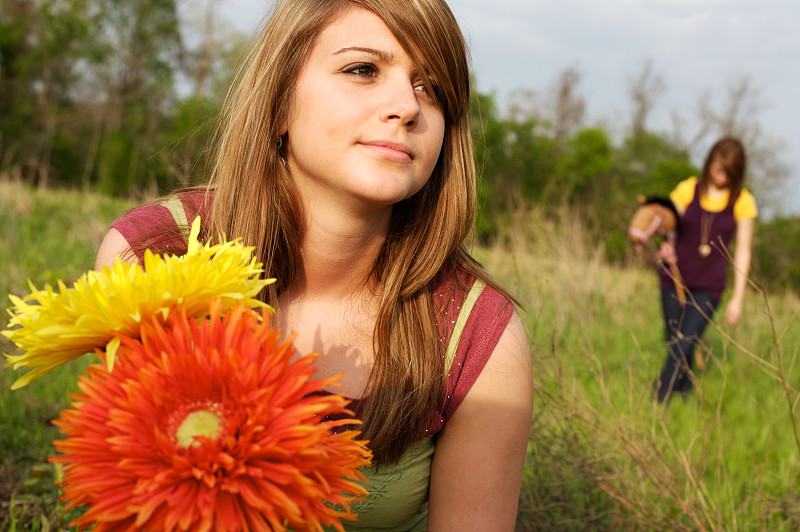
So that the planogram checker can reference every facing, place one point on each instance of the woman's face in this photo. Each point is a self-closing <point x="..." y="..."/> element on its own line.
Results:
<point x="363" y="130"/>
<point x="717" y="174"/>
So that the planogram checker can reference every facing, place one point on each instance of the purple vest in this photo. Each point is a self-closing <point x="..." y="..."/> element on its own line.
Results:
<point x="703" y="274"/>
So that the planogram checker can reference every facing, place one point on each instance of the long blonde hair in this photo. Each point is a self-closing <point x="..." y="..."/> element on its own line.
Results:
<point x="255" y="199"/>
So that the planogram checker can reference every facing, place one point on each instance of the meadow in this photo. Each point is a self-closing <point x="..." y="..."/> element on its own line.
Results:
<point x="602" y="454"/>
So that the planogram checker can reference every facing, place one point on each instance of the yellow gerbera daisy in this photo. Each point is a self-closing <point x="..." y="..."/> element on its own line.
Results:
<point x="54" y="327"/>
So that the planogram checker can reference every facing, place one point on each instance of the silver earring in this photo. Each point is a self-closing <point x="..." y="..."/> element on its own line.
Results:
<point x="279" y="145"/>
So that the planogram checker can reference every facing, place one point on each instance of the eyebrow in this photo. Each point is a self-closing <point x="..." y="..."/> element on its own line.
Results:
<point x="384" y="56"/>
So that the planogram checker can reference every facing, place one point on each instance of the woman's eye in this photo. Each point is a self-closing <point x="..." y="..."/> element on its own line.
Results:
<point x="362" y="70"/>
<point x="434" y="92"/>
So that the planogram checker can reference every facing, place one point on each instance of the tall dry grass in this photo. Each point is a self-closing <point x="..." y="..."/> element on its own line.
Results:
<point x="603" y="455"/>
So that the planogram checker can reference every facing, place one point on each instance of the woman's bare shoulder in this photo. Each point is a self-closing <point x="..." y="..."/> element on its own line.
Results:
<point x="114" y="245"/>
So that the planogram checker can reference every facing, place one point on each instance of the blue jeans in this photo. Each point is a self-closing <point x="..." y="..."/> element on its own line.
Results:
<point x="684" y="328"/>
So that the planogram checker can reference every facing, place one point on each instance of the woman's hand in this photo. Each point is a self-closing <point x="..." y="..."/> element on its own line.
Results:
<point x="733" y="312"/>
<point x="667" y="253"/>
<point x="741" y="268"/>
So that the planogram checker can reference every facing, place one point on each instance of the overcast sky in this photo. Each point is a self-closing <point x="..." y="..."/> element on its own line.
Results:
<point x="695" y="46"/>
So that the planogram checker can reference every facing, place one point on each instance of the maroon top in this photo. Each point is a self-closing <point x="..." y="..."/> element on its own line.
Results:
<point x="709" y="274"/>
<point x="152" y="224"/>
<point x="482" y="330"/>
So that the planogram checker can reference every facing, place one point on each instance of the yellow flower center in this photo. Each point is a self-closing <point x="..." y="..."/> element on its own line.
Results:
<point x="198" y="423"/>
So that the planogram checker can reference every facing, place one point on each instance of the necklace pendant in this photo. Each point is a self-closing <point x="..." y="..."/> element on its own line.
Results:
<point x="704" y="250"/>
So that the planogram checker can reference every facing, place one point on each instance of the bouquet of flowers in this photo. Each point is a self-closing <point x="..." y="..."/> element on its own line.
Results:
<point x="199" y="417"/>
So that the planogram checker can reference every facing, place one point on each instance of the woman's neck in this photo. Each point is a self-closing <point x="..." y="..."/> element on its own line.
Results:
<point x="714" y="192"/>
<point x="338" y="252"/>
<point x="332" y="305"/>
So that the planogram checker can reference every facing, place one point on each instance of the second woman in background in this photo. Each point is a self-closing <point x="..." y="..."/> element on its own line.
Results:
<point x="712" y="209"/>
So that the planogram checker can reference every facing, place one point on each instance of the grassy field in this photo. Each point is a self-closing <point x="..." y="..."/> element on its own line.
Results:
<point x="44" y="236"/>
<point x="602" y="454"/>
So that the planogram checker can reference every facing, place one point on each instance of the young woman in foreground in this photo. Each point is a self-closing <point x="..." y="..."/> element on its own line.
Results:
<point x="712" y="210"/>
<point x="345" y="159"/>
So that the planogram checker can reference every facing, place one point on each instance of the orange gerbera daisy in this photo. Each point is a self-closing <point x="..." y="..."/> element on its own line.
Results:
<point x="208" y="424"/>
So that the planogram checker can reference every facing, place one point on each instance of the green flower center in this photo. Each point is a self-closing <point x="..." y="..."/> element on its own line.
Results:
<point x="198" y="423"/>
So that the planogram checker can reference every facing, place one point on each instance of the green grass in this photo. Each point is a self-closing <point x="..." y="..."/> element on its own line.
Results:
<point x="45" y="236"/>
<point x="602" y="454"/>
<point x="50" y="235"/>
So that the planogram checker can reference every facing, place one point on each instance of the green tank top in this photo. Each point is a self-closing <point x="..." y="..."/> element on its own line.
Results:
<point x="398" y="494"/>
<point x="397" y="499"/>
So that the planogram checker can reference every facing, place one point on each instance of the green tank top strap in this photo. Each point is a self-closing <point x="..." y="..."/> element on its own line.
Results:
<point x="455" y="337"/>
<point x="175" y="207"/>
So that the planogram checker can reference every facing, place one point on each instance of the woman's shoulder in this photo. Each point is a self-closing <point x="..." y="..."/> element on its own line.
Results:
<point x="163" y="222"/>
<point x="176" y="207"/>
<point x="459" y="296"/>
<point x="683" y="193"/>
<point x="472" y="315"/>
<point x="745" y="206"/>
<point x="454" y="279"/>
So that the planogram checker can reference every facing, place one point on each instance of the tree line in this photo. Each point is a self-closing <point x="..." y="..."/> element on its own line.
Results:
<point x="107" y="94"/>
<point x="121" y="97"/>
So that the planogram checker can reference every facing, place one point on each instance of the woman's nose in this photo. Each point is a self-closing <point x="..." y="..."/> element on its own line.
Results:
<point x="401" y="103"/>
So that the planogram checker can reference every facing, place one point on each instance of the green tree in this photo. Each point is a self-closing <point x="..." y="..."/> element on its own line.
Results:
<point x="143" y="44"/>
<point x="514" y="160"/>
<point x="488" y="134"/>
<point x="42" y="48"/>
<point x="583" y="166"/>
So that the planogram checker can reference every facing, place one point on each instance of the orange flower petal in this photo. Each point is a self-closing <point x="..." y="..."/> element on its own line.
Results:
<point x="271" y="463"/>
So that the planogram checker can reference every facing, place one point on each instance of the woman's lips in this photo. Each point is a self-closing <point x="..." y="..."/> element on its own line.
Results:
<point x="394" y="151"/>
